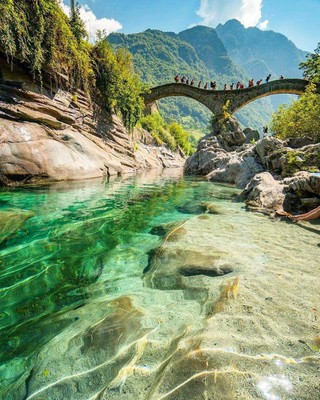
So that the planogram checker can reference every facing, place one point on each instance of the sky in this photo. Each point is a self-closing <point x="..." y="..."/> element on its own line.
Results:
<point x="297" y="19"/>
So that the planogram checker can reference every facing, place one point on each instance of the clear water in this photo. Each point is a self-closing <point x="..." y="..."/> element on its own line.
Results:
<point x="107" y="292"/>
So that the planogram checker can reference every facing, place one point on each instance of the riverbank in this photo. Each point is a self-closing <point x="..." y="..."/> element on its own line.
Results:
<point x="47" y="134"/>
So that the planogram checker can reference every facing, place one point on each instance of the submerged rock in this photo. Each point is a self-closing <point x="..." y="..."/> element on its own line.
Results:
<point x="11" y="221"/>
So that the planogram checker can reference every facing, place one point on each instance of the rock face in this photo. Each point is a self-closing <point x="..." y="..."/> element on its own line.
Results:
<point x="298" y="193"/>
<point x="224" y="157"/>
<point x="54" y="136"/>
<point x="264" y="191"/>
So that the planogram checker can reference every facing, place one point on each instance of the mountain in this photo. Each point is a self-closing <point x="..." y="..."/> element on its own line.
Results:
<point x="261" y="52"/>
<point x="226" y="55"/>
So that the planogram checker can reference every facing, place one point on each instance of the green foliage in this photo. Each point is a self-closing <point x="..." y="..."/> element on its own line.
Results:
<point x="77" y="25"/>
<point x="311" y="67"/>
<point x="301" y="118"/>
<point x="196" y="53"/>
<point x="296" y="160"/>
<point x="173" y="135"/>
<point x="119" y="87"/>
<point x="181" y="137"/>
<point x="39" y="33"/>
<point x="159" y="56"/>
<point x="219" y="121"/>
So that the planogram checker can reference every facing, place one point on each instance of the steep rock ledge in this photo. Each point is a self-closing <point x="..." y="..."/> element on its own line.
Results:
<point x="49" y="134"/>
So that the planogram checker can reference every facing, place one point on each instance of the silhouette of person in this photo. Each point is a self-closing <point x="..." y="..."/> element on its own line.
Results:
<point x="199" y="85"/>
<point x="206" y="86"/>
<point x="268" y="78"/>
<point x="265" y="131"/>
<point x="225" y="86"/>
<point x="192" y="82"/>
<point x="176" y="78"/>
<point x="231" y="86"/>
<point x="281" y="77"/>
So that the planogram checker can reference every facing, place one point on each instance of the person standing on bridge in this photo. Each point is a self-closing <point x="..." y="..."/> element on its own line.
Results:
<point x="259" y="81"/>
<point x="183" y="79"/>
<point x="268" y="78"/>
<point x="176" y="78"/>
<point x="192" y="82"/>
<point x="205" y="86"/>
<point x="199" y="84"/>
<point x="225" y="86"/>
<point x="231" y="86"/>
<point x="281" y="77"/>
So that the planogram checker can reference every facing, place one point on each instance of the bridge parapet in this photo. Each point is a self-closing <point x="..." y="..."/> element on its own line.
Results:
<point x="214" y="100"/>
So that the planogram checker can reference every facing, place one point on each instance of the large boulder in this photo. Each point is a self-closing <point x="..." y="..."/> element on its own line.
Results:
<point x="229" y="134"/>
<point x="299" y="193"/>
<point x="264" y="192"/>
<point x="265" y="148"/>
<point x="296" y="143"/>
<point x="236" y="168"/>
<point x="219" y="165"/>
<point x="203" y="161"/>
<point x="251" y="135"/>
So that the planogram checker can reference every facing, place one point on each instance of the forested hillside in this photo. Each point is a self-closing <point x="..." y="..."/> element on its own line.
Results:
<point x="197" y="53"/>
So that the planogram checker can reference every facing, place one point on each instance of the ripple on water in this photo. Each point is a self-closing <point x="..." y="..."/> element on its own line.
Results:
<point x="154" y="288"/>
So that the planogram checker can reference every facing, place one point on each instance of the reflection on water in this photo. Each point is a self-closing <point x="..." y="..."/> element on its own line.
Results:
<point x="154" y="287"/>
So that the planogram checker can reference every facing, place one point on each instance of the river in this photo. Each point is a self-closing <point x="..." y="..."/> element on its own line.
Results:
<point x="154" y="286"/>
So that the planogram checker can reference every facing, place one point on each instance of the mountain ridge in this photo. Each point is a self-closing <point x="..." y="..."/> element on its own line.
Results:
<point x="206" y="54"/>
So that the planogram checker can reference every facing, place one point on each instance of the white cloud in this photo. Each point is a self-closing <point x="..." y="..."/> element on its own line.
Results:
<point x="248" y="12"/>
<point x="263" y="25"/>
<point x="94" y="24"/>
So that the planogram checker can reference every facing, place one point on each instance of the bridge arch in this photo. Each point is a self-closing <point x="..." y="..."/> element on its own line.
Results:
<point x="214" y="100"/>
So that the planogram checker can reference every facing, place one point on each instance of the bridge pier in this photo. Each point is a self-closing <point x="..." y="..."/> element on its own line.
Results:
<point x="151" y="108"/>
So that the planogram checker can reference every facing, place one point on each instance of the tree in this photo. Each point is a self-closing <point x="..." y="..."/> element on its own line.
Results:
<point x="311" y="67"/>
<point x="72" y="6"/>
<point x="77" y="25"/>
<point x="119" y="87"/>
<point x="301" y="118"/>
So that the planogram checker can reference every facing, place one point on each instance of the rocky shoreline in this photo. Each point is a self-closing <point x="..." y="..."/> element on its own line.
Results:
<point x="274" y="174"/>
<point x="47" y="134"/>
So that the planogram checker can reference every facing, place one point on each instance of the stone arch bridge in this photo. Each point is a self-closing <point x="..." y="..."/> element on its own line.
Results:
<point x="214" y="100"/>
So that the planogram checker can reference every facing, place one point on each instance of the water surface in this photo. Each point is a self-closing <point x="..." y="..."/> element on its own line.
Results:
<point x="154" y="287"/>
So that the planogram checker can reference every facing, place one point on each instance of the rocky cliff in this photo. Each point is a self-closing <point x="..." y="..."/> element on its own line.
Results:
<point x="48" y="134"/>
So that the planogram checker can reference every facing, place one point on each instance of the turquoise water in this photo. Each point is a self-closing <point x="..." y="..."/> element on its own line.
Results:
<point x="98" y="303"/>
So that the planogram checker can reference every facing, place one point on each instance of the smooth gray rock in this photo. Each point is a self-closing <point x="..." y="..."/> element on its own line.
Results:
<point x="263" y="191"/>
